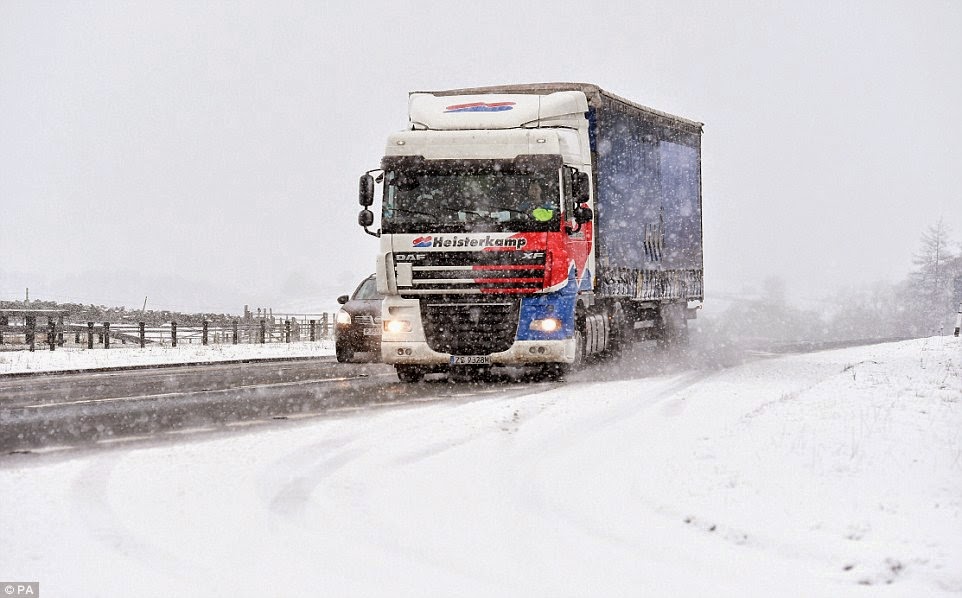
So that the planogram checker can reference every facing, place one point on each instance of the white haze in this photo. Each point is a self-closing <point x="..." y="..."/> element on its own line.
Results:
<point x="206" y="154"/>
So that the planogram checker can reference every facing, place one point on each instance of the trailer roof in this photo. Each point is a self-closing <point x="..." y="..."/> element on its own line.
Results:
<point x="591" y="91"/>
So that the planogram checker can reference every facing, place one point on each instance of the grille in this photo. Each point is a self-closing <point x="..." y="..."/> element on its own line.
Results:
<point x="464" y="327"/>
<point x="473" y="272"/>
<point x="367" y="320"/>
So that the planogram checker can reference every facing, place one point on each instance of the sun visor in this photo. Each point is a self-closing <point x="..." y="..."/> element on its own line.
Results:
<point x="491" y="111"/>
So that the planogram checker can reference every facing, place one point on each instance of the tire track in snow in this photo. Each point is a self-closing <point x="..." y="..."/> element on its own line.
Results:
<point x="309" y="466"/>
<point x="548" y="505"/>
<point x="91" y="505"/>
<point x="292" y="499"/>
<point x="363" y="456"/>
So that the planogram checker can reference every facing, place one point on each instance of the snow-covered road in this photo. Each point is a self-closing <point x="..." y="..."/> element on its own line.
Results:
<point x="804" y="475"/>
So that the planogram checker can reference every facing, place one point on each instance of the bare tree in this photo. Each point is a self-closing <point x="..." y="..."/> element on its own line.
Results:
<point x="929" y="289"/>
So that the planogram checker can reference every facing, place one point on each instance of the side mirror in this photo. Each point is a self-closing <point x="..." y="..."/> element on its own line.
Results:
<point x="583" y="214"/>
<point x="582" y="187"/>
<point x="366" y="190"/>
<point x="343" y="299"/>
<point x="365" y="218"/>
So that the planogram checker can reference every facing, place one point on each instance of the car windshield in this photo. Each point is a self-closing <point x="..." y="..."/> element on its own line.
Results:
<point x="367" y="290"/>
<point x="471" y="202"/>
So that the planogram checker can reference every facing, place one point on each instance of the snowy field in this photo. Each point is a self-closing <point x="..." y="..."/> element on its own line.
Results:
<point x="827" y="474"/>
<point x="83" y="359"/>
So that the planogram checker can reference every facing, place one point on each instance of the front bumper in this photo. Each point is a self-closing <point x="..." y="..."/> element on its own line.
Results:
<point x="520" y="353"/>
<point x="354" y="336"/>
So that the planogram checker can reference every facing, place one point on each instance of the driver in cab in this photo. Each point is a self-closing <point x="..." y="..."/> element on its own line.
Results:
<point x="535" y="204"/>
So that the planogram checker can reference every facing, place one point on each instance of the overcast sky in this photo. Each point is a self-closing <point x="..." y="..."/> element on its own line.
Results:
<point x="206" y="155"/>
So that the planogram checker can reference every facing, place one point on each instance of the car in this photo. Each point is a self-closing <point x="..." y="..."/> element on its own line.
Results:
<point x="357" y="328"/>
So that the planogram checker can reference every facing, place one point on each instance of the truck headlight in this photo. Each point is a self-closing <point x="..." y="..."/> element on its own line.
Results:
<point x="343" y="318"/>
<point x="546" y="325"/>
<point x="396" y="326"/>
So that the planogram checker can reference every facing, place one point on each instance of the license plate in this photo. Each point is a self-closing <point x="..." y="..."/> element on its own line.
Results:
<point x="372" y="331"/>
<point x="470" y="360"/>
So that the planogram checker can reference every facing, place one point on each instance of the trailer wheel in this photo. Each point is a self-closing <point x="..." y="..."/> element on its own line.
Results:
<point x="619" y="339"/>
<point x="409" y="373"/>
<point x="673" y="328"/>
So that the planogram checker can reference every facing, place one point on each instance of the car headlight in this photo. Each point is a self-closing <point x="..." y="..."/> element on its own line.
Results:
<point x="546" y="325"/>
<point x="395" y="326"/>
<point x="343" y="318"/>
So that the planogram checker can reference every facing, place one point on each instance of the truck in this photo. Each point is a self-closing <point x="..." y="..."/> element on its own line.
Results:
<point x="534" y="226"/>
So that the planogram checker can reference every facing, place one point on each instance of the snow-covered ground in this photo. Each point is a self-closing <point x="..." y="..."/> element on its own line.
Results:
<point x="827" y="474"/>
<point x="82" y="359"/>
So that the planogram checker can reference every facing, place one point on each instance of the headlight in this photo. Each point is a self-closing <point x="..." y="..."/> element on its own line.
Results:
<point x="395" y="326"/>
<point x="546" y="325"/>
<point x="343" y="318"/>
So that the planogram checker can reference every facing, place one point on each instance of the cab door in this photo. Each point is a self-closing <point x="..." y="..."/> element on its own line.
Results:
<point x="578" y="238"/>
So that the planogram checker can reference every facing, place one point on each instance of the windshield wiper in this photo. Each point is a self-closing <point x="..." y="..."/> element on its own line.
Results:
<point x="407" y="211"/>
<point x="507" y="209"/>
<point x="460" y="211"/>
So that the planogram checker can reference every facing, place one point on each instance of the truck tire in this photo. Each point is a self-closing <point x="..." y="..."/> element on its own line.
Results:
<point x="580" y="357"/>
<point x="620" y="333"/>
<point x="409" y="373"/>
<point x="673" y="328"/>
<point x="553" y="372"/>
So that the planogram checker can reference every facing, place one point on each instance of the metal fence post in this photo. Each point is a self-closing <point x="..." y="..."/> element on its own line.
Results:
<point x="31" y="332"/>
<point x="263" y="331"/>
<point x="51" y="333"/>
<point x="90" y="335"/>
<point x="4" y="321"/>
<point x="324" y="325"/>
<point x="203" y="334"/>
<point x="106" y="335"/>
<point x="235" y="331"/>
<point x="173" y="334"/>
<point x="143" y="335"/>
<point x="287" y="331"/>
<point x="958" y="320"/>
<point x="60" y="330"/>
<point x="313" y="332"/>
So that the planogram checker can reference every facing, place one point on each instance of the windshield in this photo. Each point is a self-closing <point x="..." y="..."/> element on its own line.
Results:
<point x="418" y="202"/>
<point x="367" y="290"/>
